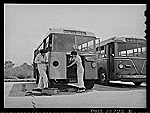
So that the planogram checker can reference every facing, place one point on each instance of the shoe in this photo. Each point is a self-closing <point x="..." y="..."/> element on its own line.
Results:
<point x="38" y="89"/>
<point x="82" y="88"/>
<point x="46" y="88"/>
<point x="80" y="91"/>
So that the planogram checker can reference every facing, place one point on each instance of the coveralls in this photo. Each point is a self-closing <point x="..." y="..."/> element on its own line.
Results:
<point x="42" y="70"/>
<point x="80" y="71"/>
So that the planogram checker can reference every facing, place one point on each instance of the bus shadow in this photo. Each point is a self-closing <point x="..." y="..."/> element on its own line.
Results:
<point x="118" y="87"/>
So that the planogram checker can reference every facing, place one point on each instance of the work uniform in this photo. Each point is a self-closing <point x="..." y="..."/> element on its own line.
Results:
<point x="42" y="70"/>
<point x="80" y="71"/>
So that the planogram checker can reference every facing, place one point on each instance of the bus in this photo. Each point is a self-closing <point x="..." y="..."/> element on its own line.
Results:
<point x="58" y="44"/>
<point x="122" y="58"/>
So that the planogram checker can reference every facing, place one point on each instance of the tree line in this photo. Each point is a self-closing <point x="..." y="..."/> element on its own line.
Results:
<point x="19" y="72"/>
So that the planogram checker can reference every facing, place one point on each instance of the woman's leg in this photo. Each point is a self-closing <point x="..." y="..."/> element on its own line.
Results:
<point x="40" y="84"/>
<point x="80" y="74"/>
<point x="44" y="76"/>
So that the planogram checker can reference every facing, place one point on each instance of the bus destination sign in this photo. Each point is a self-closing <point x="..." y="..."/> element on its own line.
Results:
<point x="74" y="32"/>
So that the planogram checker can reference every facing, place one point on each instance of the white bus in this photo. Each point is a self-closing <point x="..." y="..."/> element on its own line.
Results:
<point x="58" y="43"/>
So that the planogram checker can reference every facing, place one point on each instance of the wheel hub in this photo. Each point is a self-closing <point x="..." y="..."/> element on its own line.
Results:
<point x="103" y="76"/>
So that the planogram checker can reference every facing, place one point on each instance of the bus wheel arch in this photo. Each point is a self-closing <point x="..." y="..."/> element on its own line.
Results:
<point x="102" y="76"/>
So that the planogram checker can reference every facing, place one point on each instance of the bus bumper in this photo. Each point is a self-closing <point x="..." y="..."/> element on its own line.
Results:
<point x="133" y="78"/>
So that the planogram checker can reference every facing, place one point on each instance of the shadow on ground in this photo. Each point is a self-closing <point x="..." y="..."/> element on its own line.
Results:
<point x="21" y="89"/>
<point x="117" y="87"/>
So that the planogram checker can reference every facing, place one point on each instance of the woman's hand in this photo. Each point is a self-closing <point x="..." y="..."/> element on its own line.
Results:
<point x="69" y="66"/>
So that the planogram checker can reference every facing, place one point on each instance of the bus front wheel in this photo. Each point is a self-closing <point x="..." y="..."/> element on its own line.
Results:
<point x="89" y="84"/>
<point x="103" y="79"/>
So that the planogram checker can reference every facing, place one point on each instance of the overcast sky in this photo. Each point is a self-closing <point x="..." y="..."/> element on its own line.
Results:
<point x="26" y="24"/>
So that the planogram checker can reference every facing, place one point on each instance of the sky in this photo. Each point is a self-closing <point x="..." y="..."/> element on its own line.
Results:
<point x="25" y="25"/>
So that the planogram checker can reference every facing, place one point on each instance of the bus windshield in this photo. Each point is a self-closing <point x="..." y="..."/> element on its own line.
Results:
<point x="65" y="42"/>
<point x="132" y="49"/>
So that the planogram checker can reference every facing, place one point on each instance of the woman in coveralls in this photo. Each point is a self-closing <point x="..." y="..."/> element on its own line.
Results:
<point x="80" y="70"/>
<point x="41" y="59"/>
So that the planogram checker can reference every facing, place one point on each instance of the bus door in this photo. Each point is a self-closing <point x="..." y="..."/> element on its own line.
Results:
<point x="111" y="61"/>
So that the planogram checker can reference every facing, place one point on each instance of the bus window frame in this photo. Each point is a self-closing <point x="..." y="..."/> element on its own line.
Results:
<point x="136" y="49"/>
<point x="45" y="44"/>
<point x="87" y="48"/>
<point x="104" y="50"/>
<point x="81" y="45"/>
<point x="53" y="37"/>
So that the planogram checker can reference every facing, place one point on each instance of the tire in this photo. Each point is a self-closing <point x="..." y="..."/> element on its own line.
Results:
<point x="137" y="83"/>
<point x="89" y="84"/>
<point x="103" y="78"/>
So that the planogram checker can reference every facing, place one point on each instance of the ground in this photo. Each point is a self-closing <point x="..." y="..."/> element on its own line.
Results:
<point x="115" y="95"/>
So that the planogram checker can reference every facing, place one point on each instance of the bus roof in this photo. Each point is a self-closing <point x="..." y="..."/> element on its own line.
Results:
<point x="123" y="38"/>
<point x="71" y="30"/>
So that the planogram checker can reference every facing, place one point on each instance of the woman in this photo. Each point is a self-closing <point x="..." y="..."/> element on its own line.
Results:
<point x="80" y="70"/>
<point x="41" y="59"/>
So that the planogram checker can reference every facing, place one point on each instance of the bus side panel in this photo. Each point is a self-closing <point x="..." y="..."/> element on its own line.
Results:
<point x="57" y="65"/>
<point x="90" y="72"/>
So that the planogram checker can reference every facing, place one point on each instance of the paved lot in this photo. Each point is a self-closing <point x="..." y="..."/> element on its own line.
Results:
<point x="115" y="95"/>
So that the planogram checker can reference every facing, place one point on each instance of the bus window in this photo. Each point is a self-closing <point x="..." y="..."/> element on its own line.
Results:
<point x="84" y="47"/>
<point x="91" y="45"/>
<point x="63" y="42"/>
<point x="103" y="51"/>
<point x="144" y="50"/>
<point x="121" y="49"/>
<point x="46" y="43"/>
<point x="130" y="49"/>
<point x="127" y="49"/>
<point x="41" y="46"/>
<point x="85" y="43"/>
<point x="141" y="49"/>
<point x="135" y="50"/>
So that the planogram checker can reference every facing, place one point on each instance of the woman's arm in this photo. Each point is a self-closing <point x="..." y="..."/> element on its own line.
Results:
<point x="72" y="64"/>
<point x="37" y="59"/>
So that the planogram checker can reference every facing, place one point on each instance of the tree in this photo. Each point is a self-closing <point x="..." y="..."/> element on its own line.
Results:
<point x="9" y="70"/>
<point x="9" y="64"/>
<point x="23" y="71"/>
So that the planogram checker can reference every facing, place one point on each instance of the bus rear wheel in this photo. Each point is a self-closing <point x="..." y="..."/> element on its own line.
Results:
<point x="89" y="84"/>
<point x="103" y="79"/>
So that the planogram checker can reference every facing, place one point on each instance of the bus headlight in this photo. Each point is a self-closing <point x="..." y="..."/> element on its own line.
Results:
<point x="93" y="64"/>
<point x="120" y="66"/>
